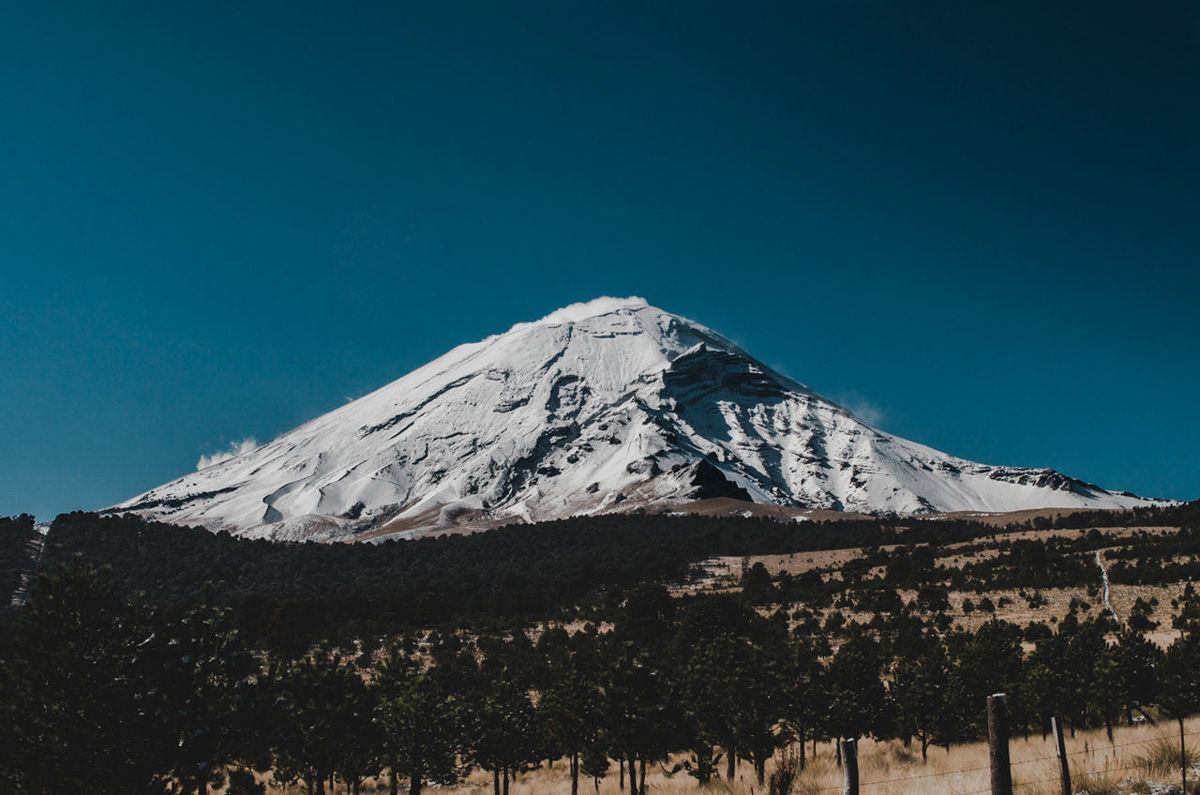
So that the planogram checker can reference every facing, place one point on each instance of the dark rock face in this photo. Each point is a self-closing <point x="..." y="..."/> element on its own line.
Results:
<point x="710" y="483"/>
<point x="704" y="371"/>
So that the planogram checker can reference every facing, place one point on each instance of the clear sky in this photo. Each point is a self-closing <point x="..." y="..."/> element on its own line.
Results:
<point x="976" y="223"/>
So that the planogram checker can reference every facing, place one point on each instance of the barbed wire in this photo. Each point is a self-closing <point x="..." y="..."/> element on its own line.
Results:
<point x="1155" y="739"/>
<point x="1141" y="764"/>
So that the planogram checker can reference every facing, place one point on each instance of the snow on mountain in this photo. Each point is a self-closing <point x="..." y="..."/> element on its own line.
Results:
<point x="600" y="406"/>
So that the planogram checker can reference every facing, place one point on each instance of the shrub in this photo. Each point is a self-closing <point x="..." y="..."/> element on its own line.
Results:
<point x="242" y="782"/>
<point x="787" y="768"/>
<point x="1162" y="758"/>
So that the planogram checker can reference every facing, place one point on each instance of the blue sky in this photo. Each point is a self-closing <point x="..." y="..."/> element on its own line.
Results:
<point x="977" y="223"/>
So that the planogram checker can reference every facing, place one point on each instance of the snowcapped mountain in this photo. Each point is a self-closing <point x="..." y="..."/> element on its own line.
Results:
<point x="600" y="406"/>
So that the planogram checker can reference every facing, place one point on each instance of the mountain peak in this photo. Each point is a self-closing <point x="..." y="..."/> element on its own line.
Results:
<point x="604" y="305"/>
<point x="606" y="405"/>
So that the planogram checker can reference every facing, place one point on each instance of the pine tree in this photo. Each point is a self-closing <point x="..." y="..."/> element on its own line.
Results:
<point x="708" y="686"/>
<point x="1137" y="661"/>
<point x="594" y="762"/>
<point x="325" y="707"/>
<point x="760" y="709"/>
<point x="917" y="689"/>
<point x="991" y="661"/>
<point x="503" y="735"/>
<point x="1179" y="694"/>
<point x="856" y="691"/>
<point x="420" y="732"/>
<point x="806" y="699"/>
<point x="571" y="704"/>
<point x="643" y="720"/>
<point x="87" y="719"/>
<point x="204" y="675"/>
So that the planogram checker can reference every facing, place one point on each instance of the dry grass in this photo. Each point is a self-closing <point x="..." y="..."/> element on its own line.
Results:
<point x="948" y="555"/>
<point x="1140" y="759"/>
<point x="725" y="572"/>
<point x="1058" y="601"/>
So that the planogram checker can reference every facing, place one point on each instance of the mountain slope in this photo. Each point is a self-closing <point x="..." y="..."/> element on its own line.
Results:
<point x="608" y="405"/>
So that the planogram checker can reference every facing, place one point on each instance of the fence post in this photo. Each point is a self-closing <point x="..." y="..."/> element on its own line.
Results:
<point x="1060" y="750"/>
<point x="997" y="721"/>
<point x="849" y="749"/>
<point x="1182" y="757"/>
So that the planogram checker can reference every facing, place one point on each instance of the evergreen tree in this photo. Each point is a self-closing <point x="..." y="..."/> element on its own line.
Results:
<point x="1179" y="694"/>
<point x="1179" y="691"/>
<point x="856" y="691"/>
<point x="1106" y="696"/>
<point x="503" y="732"/>
<point x="705" y="650"/>
<point x="1085" y="661"/>
<point x="594" y="762"/>
<point x="991" y="661"/>
<point x="706" y="685"/>
<point x="918" y="692"/>
<point x="761" y="707"/>
<point x="571" y="703"/>
<point x="325" y="708"/>
<point x="504" y="736"/>
<point x="86" y="718"/>
<point x="419" y="732"/>
<point x="1137" y="661"/>
<point x="204" y="676"/>
<point x="807" y="700"/>
<point x="643" y="722"/>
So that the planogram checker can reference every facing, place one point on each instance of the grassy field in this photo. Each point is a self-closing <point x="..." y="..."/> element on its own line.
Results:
<point x="725" y="572"/>
<point x="1140" y="759"/>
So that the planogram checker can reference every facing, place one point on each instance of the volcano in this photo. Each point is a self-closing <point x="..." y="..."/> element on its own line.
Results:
<point x="609" y="405"/>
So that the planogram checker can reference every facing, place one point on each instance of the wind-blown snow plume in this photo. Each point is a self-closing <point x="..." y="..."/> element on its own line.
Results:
<point x="609" y="405"/>
<point x="864" y="409"/>
<point x="234" y="449"/>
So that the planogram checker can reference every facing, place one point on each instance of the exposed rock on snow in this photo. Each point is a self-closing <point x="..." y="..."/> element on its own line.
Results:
<point x="606" y="405"/>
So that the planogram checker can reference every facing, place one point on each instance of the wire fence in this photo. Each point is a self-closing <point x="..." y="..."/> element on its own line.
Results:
<point x="1101" y="748"/>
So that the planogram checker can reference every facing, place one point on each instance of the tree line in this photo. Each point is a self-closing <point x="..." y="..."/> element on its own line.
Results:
<point x="15" y="534"/>
<point x="294" y="594"/>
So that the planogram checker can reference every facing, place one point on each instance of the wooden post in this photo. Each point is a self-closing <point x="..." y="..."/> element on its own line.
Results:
<point x="1182" y="758"/>
<point x="849" y="749"/>
<point x="997" y="720"/>
<point x="1060" y="750"/>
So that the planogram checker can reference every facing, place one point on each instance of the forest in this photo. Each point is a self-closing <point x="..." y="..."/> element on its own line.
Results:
<point x="295" y="594"/>
<point x="151" y="658"/>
